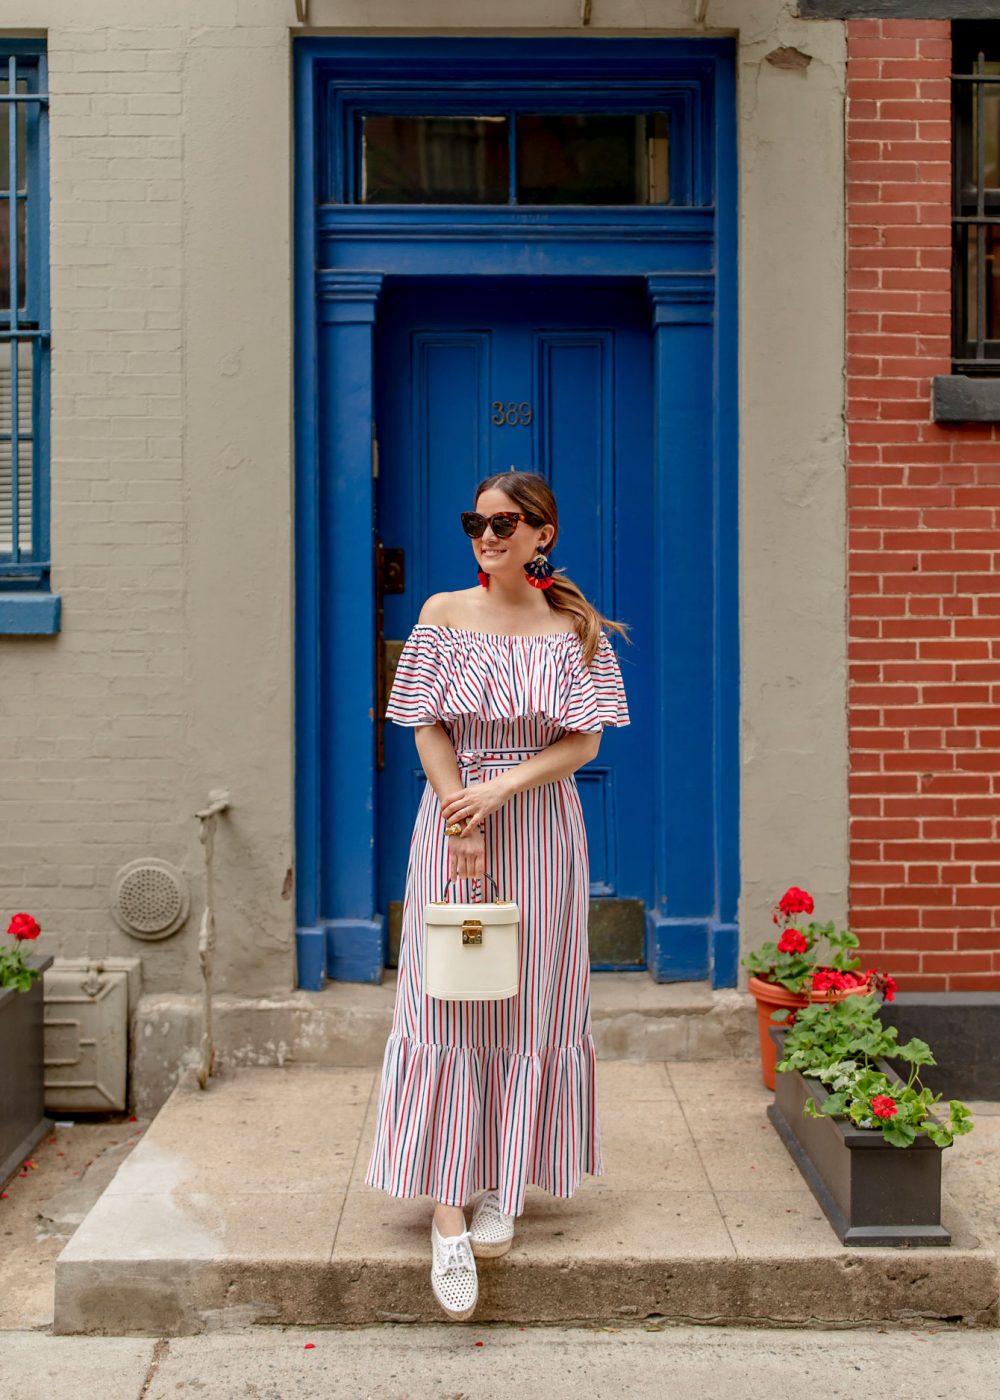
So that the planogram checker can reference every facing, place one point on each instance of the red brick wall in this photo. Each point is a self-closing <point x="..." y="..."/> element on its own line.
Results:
<point x="924" y="542"/>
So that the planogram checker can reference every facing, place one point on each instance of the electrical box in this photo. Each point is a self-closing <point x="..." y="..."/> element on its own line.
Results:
<point x="87" y="1003"/>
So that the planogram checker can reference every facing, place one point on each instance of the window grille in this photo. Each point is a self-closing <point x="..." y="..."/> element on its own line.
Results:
<point x="24" y="311"/>
<point x="976" y="198"/>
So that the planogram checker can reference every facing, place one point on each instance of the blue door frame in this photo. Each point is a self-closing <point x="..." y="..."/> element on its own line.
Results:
<point x="685" y="253"/>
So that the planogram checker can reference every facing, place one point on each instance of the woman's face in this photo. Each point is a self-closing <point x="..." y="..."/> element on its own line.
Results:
<point x="496" y="556"/>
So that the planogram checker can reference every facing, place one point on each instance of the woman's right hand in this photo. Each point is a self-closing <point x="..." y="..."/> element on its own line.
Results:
<point x="467" y="856"/>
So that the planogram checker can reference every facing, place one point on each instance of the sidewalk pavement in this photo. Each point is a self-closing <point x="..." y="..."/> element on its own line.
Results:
<point x="469" y="1362"/>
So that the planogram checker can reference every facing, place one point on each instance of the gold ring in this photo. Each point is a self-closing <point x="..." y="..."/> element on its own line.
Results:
<point x="455" y="829"/>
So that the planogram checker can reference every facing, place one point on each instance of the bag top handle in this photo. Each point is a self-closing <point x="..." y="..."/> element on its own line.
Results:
<point x="447" y="890"/>
<point x="449" y="883"/>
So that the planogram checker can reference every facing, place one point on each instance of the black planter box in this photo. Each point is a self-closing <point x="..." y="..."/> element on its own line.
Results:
<point x="871" y="1192"/>
<point x="22" y="1071"/>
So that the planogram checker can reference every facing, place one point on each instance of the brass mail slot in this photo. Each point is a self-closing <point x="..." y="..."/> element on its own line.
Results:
<point x="472" y="933"/>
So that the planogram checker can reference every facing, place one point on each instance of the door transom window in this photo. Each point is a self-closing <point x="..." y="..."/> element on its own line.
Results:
<point x="513" y="157"/>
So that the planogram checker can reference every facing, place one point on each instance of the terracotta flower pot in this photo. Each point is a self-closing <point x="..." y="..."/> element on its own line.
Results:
<point x="771" y="996"/>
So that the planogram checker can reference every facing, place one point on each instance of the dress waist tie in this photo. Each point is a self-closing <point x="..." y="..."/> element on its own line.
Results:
<point x="475" y="760"/>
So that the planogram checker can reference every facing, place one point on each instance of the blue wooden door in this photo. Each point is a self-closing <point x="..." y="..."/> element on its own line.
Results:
<point x="473" y="377"/>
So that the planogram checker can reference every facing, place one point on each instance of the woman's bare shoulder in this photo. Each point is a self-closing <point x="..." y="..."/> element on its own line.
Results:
<point x="445" y="609"/>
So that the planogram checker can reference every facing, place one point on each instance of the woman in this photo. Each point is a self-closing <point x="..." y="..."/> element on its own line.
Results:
<point x="508" y="685"/>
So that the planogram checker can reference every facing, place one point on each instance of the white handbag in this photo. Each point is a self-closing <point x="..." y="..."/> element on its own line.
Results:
<point x="471" y="950"/>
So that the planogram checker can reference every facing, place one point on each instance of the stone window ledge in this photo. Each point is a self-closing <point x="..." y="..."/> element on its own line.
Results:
<point x="961" y="398"/>
<point x="896" y="9"/>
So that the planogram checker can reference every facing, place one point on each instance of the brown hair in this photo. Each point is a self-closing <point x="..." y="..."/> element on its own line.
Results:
<point x="532" y="494"/>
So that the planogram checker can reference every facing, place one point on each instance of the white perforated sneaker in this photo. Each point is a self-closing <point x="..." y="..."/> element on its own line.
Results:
<point x="491" y="1231"/>
<point x="453" y="1274"/>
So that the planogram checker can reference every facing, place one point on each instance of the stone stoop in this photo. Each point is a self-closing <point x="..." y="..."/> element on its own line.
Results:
<point x="245" y="1205"/>
<point x="346" y="1025"/>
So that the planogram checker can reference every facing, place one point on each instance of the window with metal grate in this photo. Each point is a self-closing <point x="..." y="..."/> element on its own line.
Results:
<point x="24" y="340"/>
<point x="976" y="198"/>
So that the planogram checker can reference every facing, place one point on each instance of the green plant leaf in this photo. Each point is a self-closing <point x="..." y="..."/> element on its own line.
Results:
<point x="899" y="1134"/>
<point x="915" y="1052"/>
<point x="961" y="1120"/>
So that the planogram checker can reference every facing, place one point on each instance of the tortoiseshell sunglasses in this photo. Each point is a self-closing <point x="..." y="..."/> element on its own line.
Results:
<point x="503" y="524"/>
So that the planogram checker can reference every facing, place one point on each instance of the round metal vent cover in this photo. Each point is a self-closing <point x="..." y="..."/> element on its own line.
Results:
<point x="150" y="898"/>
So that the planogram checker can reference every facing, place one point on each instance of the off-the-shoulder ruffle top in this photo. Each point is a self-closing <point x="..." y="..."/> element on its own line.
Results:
<point x="446" y="672"/>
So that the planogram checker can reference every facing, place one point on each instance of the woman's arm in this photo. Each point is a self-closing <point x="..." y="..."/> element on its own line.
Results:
<point x="473" y="804"/>
<point x="438" y="758"/>
<point x="558" y="760"/>
<point x="467" y="852"/>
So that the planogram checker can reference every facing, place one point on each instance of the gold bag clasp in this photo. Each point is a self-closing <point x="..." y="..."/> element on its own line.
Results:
<point x="472" y="933"/>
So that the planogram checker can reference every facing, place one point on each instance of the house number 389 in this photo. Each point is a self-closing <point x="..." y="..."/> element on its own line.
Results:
<point x="510" y="415"/>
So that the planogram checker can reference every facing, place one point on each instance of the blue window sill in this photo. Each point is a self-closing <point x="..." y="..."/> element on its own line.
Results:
<point x="29" y="614"/>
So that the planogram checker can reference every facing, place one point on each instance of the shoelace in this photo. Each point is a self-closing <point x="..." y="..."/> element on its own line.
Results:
<point x="457" y="1252"/>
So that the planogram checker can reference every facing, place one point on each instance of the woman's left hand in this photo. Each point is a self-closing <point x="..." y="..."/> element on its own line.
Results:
<point x="473" y="804"/>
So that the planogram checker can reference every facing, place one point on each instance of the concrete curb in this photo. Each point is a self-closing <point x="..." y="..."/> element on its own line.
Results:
<point x="184" y="1297"/>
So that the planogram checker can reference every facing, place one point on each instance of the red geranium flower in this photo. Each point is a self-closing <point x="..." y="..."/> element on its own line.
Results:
<point x="883" y="982"/>
<point x="796" y="901"/>
<point x="23" y="926"/>
<point x="884" y="1107"/>
<point x="828" y="979"/>
<point x="792" y="941"/>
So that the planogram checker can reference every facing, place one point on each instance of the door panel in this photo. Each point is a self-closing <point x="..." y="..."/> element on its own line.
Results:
<point x="475" y="377"/>
<point x="576" y="413"/>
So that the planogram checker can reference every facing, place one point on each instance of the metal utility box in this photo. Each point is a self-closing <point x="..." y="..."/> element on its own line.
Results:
<point x="87" y="1004"/>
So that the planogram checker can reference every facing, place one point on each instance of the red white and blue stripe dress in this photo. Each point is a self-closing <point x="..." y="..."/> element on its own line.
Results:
<point x="498" y="1094"/>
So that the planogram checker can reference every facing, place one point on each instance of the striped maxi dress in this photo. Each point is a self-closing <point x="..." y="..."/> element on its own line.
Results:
<point x="498" y="1094"/>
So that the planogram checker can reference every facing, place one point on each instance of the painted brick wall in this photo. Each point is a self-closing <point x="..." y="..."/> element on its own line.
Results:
<point x="171" y="489"/>
<point x="923" y="518"/>
<point x="93" y="719"/>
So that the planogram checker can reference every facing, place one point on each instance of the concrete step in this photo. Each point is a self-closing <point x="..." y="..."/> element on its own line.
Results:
<point x="346" y="1025"/>
<point x="245" y="1204"/>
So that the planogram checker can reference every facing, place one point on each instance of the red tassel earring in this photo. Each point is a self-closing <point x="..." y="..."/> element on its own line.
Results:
<point x="484" y="578"/>
<point x="539" y="571"/>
